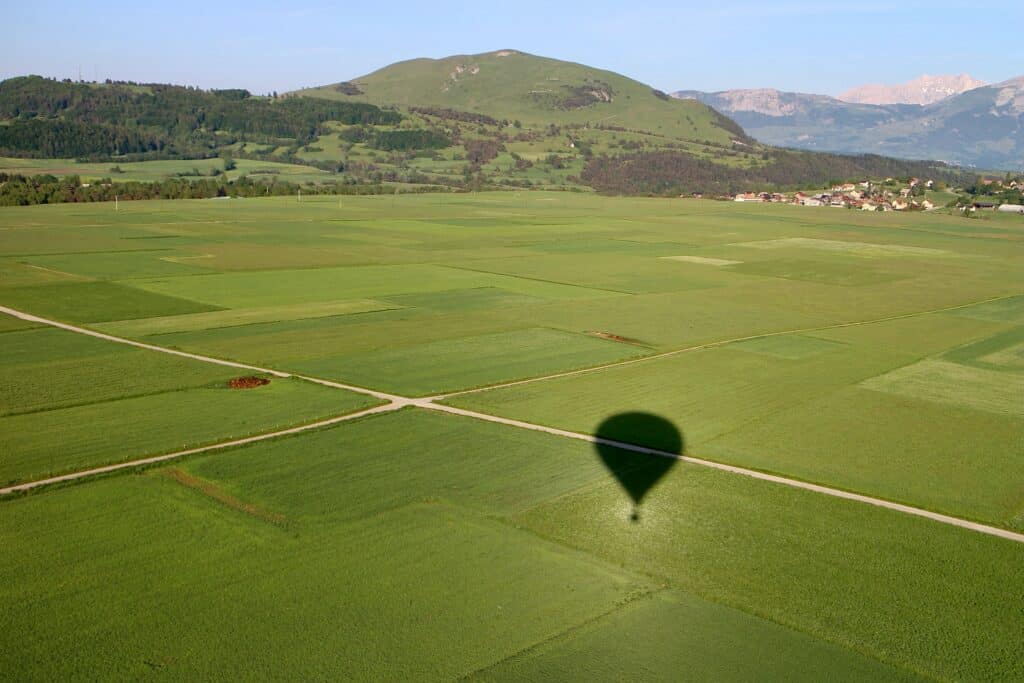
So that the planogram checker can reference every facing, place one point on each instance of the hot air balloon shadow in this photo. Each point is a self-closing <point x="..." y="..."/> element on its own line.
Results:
<point x="623" y="444"/>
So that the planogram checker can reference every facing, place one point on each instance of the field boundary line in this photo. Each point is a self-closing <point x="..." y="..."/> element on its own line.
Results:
<point x="572" y="629"/>
<point x="715" y="344"/>
<point x="71" y="476"/>
<point x="538" y="279"/>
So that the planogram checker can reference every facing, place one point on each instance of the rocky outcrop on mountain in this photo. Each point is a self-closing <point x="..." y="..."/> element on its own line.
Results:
<point x="924" y="90"/>
<point x="981" y="127"/>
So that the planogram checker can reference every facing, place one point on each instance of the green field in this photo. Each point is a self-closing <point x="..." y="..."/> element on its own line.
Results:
<point x="70" y="402"/>
<point x="880" y="354"/>
<point x="146" y="171"/>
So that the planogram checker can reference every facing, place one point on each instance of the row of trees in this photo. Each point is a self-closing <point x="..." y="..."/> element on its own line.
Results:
<point x="19" y="190"/>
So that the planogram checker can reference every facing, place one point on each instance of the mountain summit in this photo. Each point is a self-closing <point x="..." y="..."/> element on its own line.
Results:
<point x="514" y="85"/>
<point x="924" y="90"/>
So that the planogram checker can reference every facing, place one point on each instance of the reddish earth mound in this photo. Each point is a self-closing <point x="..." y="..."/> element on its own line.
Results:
<point x="248" y="382"/>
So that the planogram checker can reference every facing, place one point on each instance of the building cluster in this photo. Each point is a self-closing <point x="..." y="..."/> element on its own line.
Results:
<point x="1004" y="196"/>
<point x="866" y="196"/>
<point x="993" y="206"/>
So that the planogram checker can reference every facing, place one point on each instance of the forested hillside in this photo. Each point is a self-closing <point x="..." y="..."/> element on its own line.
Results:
<point x="671" y="173"/>
<point x="48" y="118"/>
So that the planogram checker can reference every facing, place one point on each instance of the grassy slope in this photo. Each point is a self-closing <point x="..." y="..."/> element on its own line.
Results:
<point x="515" y="86"/>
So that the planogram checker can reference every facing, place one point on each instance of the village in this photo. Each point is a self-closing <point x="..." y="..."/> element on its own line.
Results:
<point x="865" y="196"/>
<point x="1002" y="195"/>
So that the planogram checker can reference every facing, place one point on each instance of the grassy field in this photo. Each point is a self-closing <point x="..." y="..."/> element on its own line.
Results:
<point x="515" y="544"/>
<point x="877" y="353"/>
<point x="147" y="171"/>
<point x="70" y="402"/>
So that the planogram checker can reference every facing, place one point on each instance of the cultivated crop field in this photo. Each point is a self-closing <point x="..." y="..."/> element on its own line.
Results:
<point x="352" y="440"/>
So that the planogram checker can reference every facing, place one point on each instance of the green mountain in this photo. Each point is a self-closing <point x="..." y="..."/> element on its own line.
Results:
<point x="513" y="85"/>
<point x="527" y="121"/>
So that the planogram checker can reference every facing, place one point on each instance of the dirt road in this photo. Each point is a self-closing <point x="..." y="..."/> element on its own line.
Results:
<point x="396" y="402"/>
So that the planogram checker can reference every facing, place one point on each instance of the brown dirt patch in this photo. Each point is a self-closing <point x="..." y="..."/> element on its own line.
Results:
<point x="248" y="382"/>
<point x="223" y="497"/>
<point x="615" y="337"/>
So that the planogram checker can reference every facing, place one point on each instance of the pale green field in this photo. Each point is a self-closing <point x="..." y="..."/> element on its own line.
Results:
<point x="880" y="354"/>
<point x="146" y="171"/>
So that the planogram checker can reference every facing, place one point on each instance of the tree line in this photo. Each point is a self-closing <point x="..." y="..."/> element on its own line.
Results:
<point x="21" y="190"/>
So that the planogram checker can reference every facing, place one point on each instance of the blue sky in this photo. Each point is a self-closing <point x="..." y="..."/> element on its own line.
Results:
<point x="823" y="47"/>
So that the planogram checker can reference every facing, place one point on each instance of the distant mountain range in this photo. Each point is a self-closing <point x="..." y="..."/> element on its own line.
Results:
<point x="982" y="127"/>
<point x="924" y="90"/>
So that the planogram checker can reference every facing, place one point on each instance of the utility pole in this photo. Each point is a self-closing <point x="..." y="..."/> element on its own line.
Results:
<point x="115" y="204"/>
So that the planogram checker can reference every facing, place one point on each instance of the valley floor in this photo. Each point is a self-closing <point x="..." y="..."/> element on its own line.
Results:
<point x="411" y="494"/>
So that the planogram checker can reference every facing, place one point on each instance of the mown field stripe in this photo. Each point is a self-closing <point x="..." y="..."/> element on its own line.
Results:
<point x="717" y="343"/>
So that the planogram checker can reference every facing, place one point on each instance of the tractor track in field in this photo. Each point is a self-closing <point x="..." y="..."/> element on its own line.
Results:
<point x="394" y="402"/>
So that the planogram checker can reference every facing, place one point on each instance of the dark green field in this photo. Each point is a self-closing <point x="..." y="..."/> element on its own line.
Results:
<point x="879" y="354"/>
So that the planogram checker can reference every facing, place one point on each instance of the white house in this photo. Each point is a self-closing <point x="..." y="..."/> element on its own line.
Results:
<point x="1011" y="208"/>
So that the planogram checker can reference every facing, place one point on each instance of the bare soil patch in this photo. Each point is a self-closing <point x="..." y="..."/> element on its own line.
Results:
<point x="248" y="382"/>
